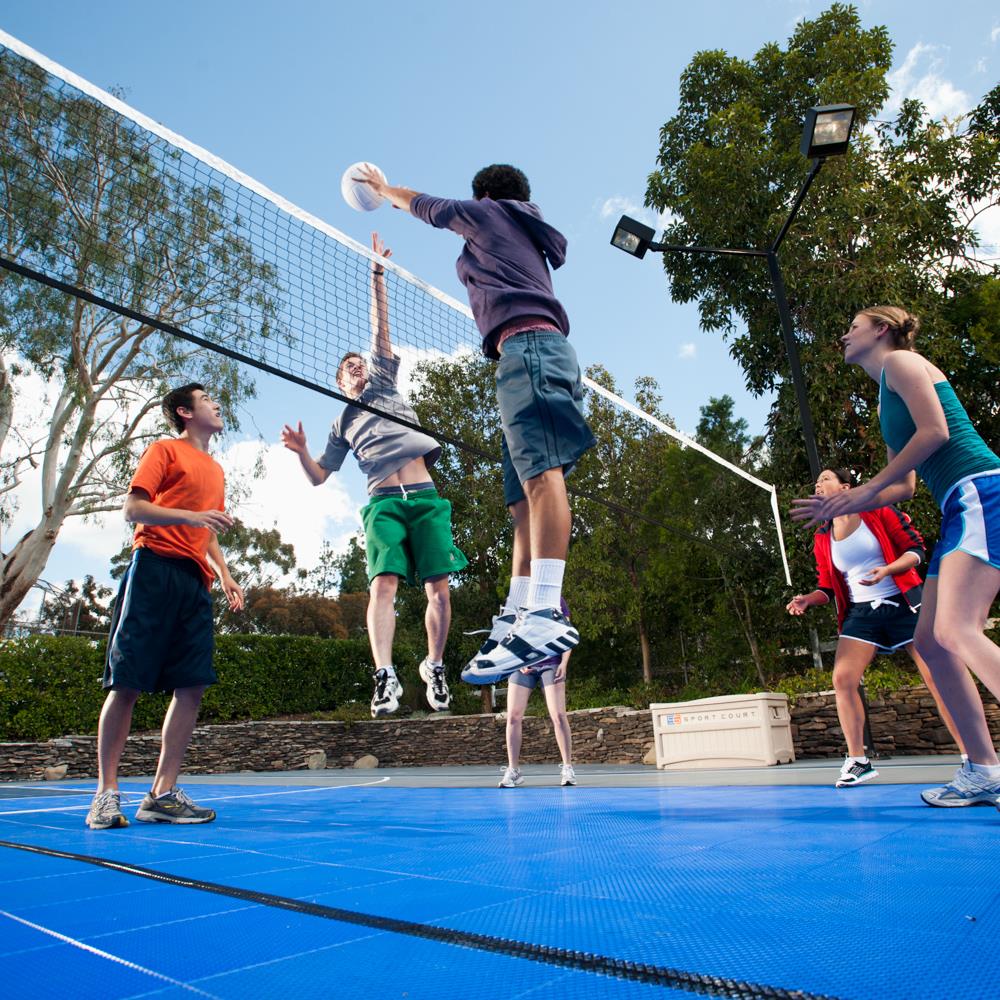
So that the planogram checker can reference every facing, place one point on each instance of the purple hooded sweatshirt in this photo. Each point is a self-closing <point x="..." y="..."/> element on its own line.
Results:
<point x="503" y="263"/>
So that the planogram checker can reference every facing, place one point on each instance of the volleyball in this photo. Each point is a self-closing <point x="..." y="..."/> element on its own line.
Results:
<point x="357" y="194"/>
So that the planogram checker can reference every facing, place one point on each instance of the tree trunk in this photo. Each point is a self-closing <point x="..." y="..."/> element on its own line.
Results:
<point x="24" y="564"/>
<point x="745" y="624"/>
<point x="647" y="659"/>
<point x="6" y="403"/>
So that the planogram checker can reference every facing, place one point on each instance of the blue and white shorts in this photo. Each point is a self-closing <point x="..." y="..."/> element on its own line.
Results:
<point x="970" y="521"/>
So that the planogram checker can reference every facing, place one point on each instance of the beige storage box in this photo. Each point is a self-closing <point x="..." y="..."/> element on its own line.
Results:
<point x="743" y="730"/>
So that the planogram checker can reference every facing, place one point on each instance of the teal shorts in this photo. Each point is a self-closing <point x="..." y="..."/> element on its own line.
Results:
<point x="410" y="536"/>
<point x="540" y="398"/>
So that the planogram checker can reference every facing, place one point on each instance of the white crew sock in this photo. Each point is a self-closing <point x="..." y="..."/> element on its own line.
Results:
<point x="389" y="667"/>
<point x="859" y="760"/>
<point x="518" y="596"/>
<point x="991" y="771"/>
<point x="546" y="583"/>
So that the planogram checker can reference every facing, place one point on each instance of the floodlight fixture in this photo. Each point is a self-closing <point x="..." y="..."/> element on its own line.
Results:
<point x="827" y="131"/>
<point x="632" y="237"/>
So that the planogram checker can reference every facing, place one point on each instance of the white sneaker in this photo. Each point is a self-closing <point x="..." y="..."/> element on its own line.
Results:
<point x="510" y="778"/>
<point x="967" y="788"/>
<point x="567" y="776"/>
<point x="385" y="701"/>
<point x="854" y="772"/>
<point x="537" y="635"/>
<point x="502" y="624"/>
<point x="438" y="695"/>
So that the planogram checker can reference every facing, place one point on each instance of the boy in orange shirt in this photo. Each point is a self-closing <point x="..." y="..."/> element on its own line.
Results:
<point x="162" y="636"/>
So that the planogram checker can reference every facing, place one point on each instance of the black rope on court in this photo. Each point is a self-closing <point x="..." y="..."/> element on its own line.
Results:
<point x="655" y="975"/>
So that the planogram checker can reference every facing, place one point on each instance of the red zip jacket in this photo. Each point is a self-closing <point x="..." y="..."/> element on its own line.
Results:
<point x="896" y="535"/>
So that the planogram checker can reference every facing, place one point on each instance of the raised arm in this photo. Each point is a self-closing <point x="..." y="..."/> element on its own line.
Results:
<point x="398" y="197"/>
<point x="294" y="439"/>
<point x="381" y="344"/>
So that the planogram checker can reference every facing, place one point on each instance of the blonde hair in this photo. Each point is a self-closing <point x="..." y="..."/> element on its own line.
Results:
<point x="903" y="325"/>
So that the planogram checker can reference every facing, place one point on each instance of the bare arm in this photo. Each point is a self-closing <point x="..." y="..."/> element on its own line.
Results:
<point x="232" y="590"/>
<point x="295" y="440"/>
<point x="381" y="344"/>
<point x="398" y="197"/>
<point x="139" y="509"/>
<point x="801" y="603"/>
<point x="911" y="379"/>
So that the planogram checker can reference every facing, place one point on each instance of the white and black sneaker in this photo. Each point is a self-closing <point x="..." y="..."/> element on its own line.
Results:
<point x="510" y="778"/>
<point x="438" y="695"/>
<point x="855" y="771"/>
<point x="537" y="635"/>
<point x="385" y="701"/>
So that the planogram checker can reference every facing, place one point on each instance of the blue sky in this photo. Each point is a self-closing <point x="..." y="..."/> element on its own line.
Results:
<point x="572" y="92"/>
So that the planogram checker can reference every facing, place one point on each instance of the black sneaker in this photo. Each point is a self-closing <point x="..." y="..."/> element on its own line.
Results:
<point x="854" y="772"/>
<point x="385" y="701"/>
<point x="174" y="807"/>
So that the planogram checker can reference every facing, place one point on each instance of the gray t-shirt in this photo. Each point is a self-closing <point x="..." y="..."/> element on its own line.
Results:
<point x="380" y="445"/>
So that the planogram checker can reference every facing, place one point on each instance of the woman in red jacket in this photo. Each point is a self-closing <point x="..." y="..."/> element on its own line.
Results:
<point x="867" y="563"/>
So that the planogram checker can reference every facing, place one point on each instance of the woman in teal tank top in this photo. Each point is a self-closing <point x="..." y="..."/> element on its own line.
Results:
<point x="928" y="432"/>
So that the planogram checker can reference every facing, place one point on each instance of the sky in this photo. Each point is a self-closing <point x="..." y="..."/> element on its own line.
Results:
<point x="572" y="91"/>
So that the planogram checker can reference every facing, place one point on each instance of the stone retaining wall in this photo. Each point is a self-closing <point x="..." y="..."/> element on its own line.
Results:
<point x="903" y="722"/>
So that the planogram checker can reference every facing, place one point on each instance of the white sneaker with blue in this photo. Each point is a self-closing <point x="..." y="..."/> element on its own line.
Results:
<point x="537" y="635"/>
<point x="969" y="787"/>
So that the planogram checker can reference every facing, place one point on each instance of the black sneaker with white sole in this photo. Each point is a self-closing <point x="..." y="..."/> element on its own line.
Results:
<point x="438" y="695"/>
<point x="385" y="701"/>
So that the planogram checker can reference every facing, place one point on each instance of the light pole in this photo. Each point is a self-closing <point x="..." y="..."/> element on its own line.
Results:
<point x="826" y="132"/>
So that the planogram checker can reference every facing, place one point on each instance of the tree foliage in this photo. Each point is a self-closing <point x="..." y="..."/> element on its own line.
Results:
<point x="94" y="201"/>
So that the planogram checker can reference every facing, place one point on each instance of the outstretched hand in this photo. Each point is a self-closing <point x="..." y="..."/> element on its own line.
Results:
<point x="294" y="439"/>
<point x="382" y="250"/>
<point x="817" y="509"/>
<point x="369" y="176"/>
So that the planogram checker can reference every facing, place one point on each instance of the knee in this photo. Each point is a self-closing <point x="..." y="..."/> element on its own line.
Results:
<point x="439" y="595"/>
<point x="542" y="484"/>
<point x="515" y="716"/>
<point x="845" y="681"/>
<point x="947" y="636"/>
<point x="383" y="588"/>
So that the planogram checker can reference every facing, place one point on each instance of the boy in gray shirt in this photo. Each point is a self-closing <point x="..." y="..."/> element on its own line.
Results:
<point x="407" y="525"/>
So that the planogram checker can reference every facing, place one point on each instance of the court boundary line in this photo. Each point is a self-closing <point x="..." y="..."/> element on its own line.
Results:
<point x="217" y="798"/>
<point x="679" y="979"/>
<point x="100" y="953"/>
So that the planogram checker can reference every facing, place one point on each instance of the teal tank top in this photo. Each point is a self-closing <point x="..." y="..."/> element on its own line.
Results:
<point x="964" y="454"/>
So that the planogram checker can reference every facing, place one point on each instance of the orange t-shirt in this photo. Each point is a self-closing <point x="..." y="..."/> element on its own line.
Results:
<point x="177" y="474"/>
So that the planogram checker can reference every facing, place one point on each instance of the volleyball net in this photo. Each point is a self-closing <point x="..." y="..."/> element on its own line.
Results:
<point x="103" y="205"/>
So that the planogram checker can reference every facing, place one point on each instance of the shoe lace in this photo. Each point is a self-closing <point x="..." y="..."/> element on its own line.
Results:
<point x="108" y="798"/>
<point x="181" y="796"/>
<point x="381" y="683"/>
<point x="966" y="780"/>
<point x="437" y="681"/>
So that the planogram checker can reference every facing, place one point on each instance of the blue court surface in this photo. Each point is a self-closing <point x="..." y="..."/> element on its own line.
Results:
<point x="373" y="890"/>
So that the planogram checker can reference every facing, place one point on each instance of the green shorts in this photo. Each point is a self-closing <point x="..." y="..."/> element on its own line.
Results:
<point x="410" y="536"/>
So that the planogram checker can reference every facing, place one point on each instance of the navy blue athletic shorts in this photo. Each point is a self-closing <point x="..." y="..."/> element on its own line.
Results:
<point x="162" y="629"/>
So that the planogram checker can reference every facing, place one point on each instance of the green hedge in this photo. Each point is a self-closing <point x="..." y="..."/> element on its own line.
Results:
<point x="50" y="685"/>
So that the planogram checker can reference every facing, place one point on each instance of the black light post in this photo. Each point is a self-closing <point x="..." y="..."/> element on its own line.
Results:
<point x="826" y="132"/>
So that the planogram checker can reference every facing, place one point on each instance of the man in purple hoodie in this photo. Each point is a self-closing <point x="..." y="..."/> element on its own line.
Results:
<point x="504" y="266"/>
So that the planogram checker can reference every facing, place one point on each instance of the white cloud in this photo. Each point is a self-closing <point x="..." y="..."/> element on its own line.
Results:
<point x="995" y="33"/>
<point x="618" y="205"/>
<point x="687" y="352"/>
<point x="920" y="77"/>
<point x="305" y="515"/>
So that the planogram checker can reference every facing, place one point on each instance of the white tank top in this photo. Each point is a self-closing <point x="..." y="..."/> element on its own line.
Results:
<point x="855" y="556"/>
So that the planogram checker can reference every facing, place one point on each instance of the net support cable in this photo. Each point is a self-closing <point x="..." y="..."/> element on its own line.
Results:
<point x="461" y="338"/>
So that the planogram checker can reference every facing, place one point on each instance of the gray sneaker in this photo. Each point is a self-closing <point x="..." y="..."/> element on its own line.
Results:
<point x="967" y="788"/>
<point x="174" y="807"/>
<point x="106" y="811"/>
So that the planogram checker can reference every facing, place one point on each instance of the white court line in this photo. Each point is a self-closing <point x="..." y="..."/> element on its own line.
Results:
<point x="106" y="954"/>
<point x="217" y="798"/>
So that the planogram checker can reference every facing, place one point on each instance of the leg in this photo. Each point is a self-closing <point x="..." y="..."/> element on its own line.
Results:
<point x="382" y="617"/>
<point x="555" y="701"/>
<point x="955" y="686"/>
<point x="522" y="538"/>
<point x="112" y="732"/>
<point x="438" y="616"/>
<point x="549" y="514"/>
<point x="178" y="725"/>
<point x="852" y="658"/>
<point x="517" y="701"/>
<point x="925" y="673"/>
